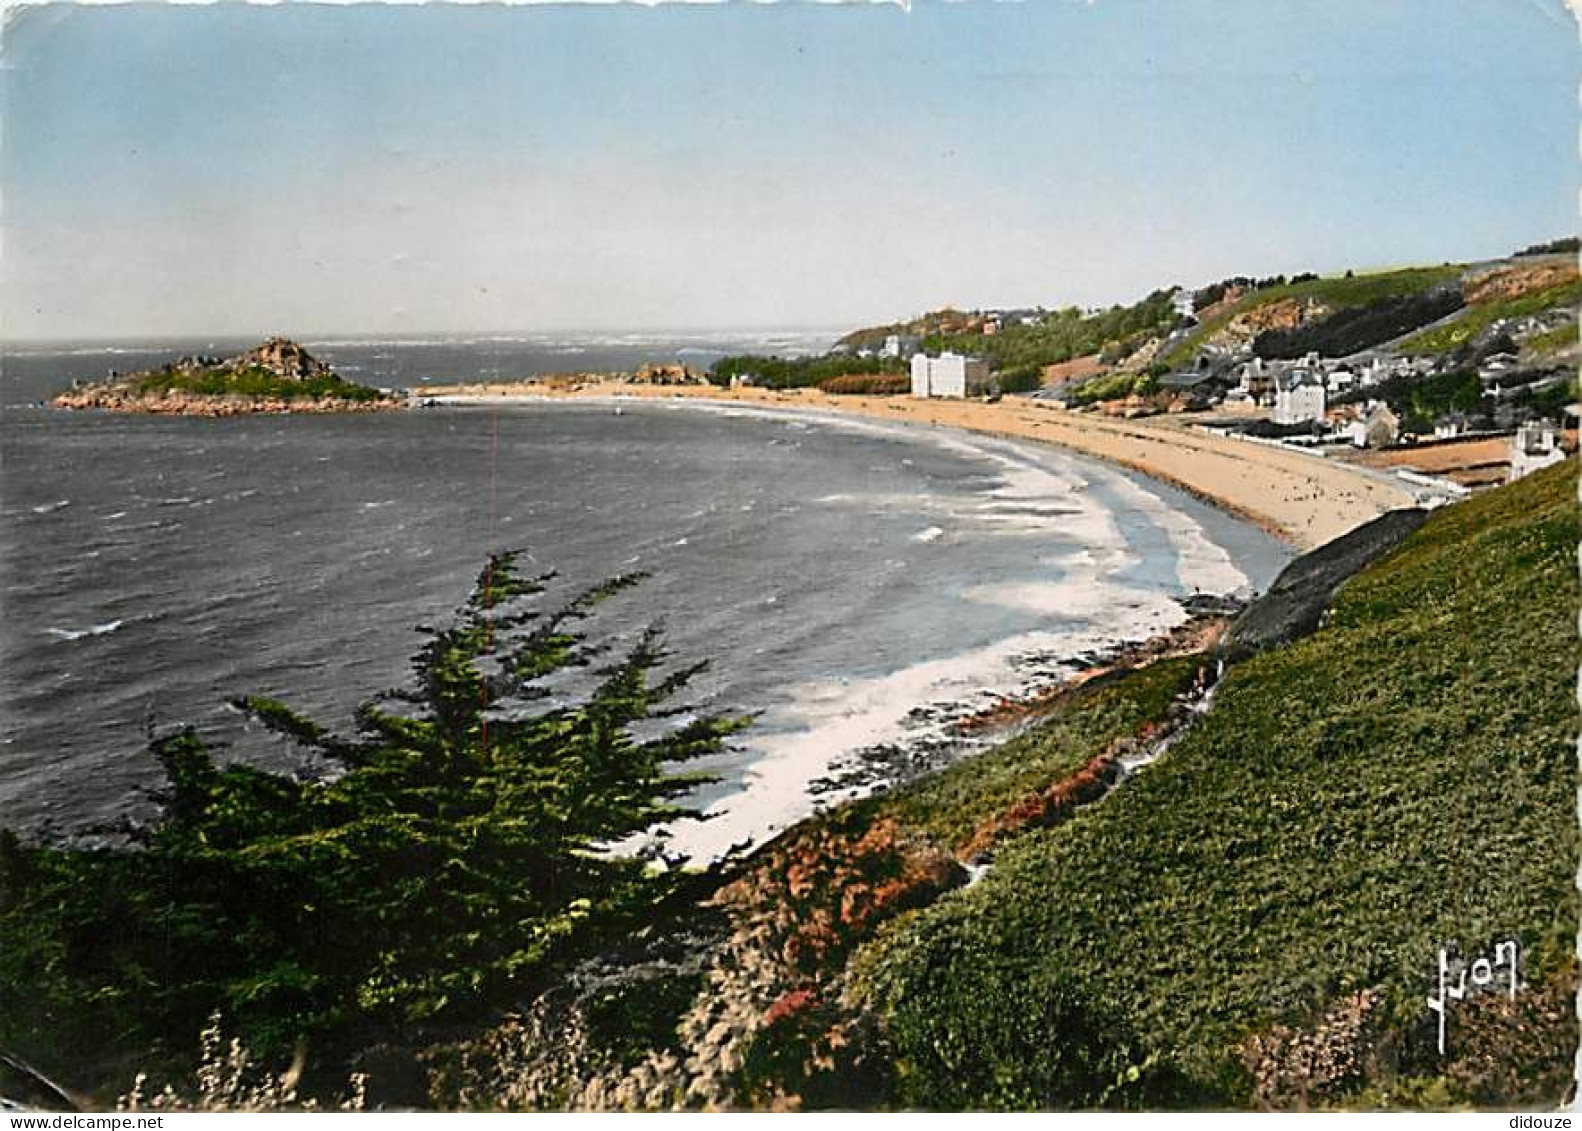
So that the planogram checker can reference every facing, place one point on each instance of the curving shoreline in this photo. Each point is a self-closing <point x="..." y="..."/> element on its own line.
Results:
<point x="1302" y="499"/>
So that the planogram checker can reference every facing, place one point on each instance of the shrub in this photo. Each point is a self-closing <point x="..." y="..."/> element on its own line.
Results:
<point x="867" y="384"/>
<point x="253" y="381"/>
<point x="1360" y="327"/>
<point x="1553" y="247"/>
<point x="445" y="861"/>
<point x="799" y="372"/>
<point x="1021" y="379"/>
<point x="973" y="1029"/>
<point x="1113" y="387"/>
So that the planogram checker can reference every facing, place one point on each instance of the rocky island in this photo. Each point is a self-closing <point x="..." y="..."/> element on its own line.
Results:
<point x="277" y="376"/>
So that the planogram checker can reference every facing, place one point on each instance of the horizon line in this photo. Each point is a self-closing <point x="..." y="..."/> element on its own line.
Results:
<point x="330" y="336"/>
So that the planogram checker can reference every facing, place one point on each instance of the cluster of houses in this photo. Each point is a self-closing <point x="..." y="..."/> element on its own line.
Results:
<point x="985" y="322"/>
<point x="1311" y="400"/>
<point x="1300" y="392"/>
<point x="1296" y="393"/>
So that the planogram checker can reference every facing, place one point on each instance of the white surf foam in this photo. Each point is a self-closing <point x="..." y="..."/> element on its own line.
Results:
<point x="81" y="633"/>
<point x="829" y="722"/>
<point x="1087" y="592"/>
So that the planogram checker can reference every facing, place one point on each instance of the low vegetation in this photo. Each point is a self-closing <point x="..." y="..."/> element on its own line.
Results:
<point x="1478" y="318"/>
<point x="799" y="372"/>
<point x="1216" y="292"/>
<point x="438" y="865"/>
<point x="1403" y="779"/>
<point x="1023" y="345"/>
<point x="1114" y="386"/>
<point x="950" y="805"/>
<point x="867" y="384"/>
<point x="1356" y="328"/>
<point x="254" y="381"/>
<point x="1552" y="341"/>
<point x="1061" y="335"/>
<point x="1338" y="292"/>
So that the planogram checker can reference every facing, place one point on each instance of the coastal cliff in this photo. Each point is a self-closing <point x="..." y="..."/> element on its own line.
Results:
<point x="276" y="376"/>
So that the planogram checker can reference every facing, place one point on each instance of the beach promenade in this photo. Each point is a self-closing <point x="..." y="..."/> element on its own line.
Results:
<point x="1301" y="498"/>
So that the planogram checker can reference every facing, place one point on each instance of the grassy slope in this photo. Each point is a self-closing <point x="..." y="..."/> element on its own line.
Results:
<point x="1478" y="318"/>
<point x="950" y="804"/>
<point x="1338" y="292"/>
<point x="1404" y="777"/>
<point x="1560" y="338"/>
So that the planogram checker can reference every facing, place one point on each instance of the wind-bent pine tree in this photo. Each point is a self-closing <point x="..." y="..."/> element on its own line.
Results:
<point x="449" y="859"/>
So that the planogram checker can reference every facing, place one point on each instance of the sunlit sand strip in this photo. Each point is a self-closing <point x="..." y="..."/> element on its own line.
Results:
<point x="1304" y="499"/>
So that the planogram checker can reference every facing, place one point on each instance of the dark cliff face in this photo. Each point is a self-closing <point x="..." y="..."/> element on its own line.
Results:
<point x="1295" y="603"/>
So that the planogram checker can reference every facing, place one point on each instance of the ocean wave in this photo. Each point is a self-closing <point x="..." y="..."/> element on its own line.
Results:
<point x="104" y="629"/>
<point x="931" y="534"/>
<point x="85" y="351"/>
<point x="830" y="723"/>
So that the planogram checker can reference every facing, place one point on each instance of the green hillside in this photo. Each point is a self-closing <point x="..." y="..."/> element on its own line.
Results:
<point x="1403" y="778"/>
<point x="1024" y="345"/>
<point x="1479" y="318"/>
<point x="1339" y="292"/>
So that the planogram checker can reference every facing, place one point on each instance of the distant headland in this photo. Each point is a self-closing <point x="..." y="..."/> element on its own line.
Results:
<point x="277" y="376"/>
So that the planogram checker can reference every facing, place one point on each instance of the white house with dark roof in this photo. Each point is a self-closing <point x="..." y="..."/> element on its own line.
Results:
<point x="1298" y="396"/>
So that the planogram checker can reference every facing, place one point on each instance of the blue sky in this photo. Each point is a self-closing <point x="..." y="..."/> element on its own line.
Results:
<point x="310" y="169"/>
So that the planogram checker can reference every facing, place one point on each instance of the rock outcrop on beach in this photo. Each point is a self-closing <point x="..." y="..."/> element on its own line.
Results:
<point x="277" y="376"/>
<point x="666" y="373"/>
<point x="1295" y="604"/>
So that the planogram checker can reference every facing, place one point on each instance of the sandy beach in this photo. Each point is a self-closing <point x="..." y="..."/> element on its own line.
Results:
<point x="1301" y="498"/>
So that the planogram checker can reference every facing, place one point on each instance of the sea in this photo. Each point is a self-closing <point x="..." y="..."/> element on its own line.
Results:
<point x="856" y="586"/>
